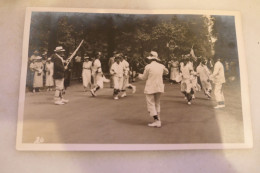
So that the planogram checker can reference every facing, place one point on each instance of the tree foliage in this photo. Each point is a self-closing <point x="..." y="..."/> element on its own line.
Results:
<point x="134" y="35"/>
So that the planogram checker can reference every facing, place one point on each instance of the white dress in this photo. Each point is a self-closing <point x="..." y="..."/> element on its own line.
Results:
<point x="174" y="70"/>
<point x="37" y="67"/>
<point x="86" y="74"/>
<point x="49" y="74"/>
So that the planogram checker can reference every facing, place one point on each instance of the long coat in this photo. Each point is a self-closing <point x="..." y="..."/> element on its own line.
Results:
<point x="153" y="74"/>
<point x="37" y="67"/>
<point x="58" y="67"/>
<point x="218" y="73"/>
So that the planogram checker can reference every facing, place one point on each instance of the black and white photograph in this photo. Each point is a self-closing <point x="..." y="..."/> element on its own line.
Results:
<point x="96" y="79"/>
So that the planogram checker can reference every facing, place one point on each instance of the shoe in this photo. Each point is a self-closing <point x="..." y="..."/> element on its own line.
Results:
<point x="134" y="89"/>
<point x="123" y="95"/>
<point x="185" y="98"/>
<point x="93" y="93"/>
<point x="59" y="103"/>
<point x="219" y="106"/>
<point x="116" y="98"/>
<point x="189" y="103"/>
<point x="64" y="100"/>
<point x="156" y="123"/>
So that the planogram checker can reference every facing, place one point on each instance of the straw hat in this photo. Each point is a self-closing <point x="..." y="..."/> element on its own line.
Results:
<point x="59" y="49"/>
<point x="153" y="56"/>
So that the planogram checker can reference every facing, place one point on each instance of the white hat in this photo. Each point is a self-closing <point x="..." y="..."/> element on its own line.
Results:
<point x="59" y="49"/>
<point x="153" y="55"/>
<point x="38" y="58"/>
<point x="44" y="53"/>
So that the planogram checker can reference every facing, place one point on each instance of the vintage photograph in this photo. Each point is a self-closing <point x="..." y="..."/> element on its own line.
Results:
<point x="132" y="80"/>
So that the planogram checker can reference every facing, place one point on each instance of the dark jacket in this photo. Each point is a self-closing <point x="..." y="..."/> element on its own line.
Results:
<point x="58" y="67"/>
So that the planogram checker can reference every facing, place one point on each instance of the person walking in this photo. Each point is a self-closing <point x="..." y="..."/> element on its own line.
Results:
<point x="154" y="87"/>
<point x="218" y="78"/>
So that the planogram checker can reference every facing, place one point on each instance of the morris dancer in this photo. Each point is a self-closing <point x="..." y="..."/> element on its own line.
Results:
<point x="153" y="74"/>
<point x="126" y="83"/>
<point x="204" y="74"/>
<point x="117" y="70"/>
<point x="58" y="75"/>
<point x="97" y="75"/>
<point x="186" y="83"/>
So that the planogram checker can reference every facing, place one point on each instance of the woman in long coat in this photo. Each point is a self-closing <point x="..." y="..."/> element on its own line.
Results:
<point x="37" y="67"/>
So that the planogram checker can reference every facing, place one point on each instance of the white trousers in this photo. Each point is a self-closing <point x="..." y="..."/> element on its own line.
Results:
<point x="153" y="103"/>
<point x="206" y="85"/>
<point x="125" y="82"/>
<point x="218" y="91"/>
<point x="186" y="85"/>
<point x="118" y="82"/>
<point x="59" y="83"/>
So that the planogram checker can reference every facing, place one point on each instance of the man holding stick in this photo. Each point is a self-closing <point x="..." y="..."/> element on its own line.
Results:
<point x="58" y="75"/>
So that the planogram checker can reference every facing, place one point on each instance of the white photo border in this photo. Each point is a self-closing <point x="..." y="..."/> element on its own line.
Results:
<point x="248" y="137"/>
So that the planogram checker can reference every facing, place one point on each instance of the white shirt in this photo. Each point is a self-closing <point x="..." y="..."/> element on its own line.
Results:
<point x="203" y="72"/>
<point x="186" y="71"/>
<point x="153" y="74"/>
<point x="117" y="69"/>
<point x="218" y="73"/>
<point x="126" y="67"/>
<point x="96" y="66"/>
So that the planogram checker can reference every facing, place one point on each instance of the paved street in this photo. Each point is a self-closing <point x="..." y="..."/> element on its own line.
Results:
<point x="102" y="120"/>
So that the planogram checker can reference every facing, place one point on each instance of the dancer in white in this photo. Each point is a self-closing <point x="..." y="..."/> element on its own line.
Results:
<point x="186" y="83"/>
<point x="86" y="73"/>
<point x="154" y="87"/>
<point x="126" y="73"/>
<point x="117" y="70"/>
<point x="204" y="74"/>
<point x="97" y="74"/>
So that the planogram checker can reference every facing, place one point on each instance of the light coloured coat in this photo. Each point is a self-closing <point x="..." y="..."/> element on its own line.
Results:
<point x="218" y="75"/>
<point x="153" y="74"/>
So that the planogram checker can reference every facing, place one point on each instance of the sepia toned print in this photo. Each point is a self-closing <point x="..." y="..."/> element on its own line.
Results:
<point x="132" y="80"/>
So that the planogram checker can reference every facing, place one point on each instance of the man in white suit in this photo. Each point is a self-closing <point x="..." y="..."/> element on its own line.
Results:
<point x="218" y="78"/>
<point x="154" y="87"/>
